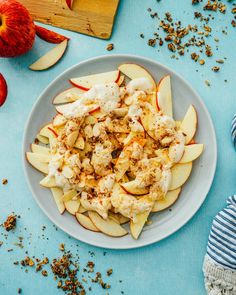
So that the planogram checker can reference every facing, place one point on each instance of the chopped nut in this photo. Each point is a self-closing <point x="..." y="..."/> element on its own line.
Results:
<point x="44" y="273"/>
<point x="171" y="47"/>
<point x="194" y="56"/>
<point x="4" y="181"/>
<point x="233" y="23"/>
<point x="220" y="61"/>
<point x="201" y="62"/>
<point x="109" y="271"/>
<point x="215" y="69"/>
<point x="62" y="247"/>
<point x="110" y="47"/>
<point x="10" y="223"/>
<point x="152" y="42"/>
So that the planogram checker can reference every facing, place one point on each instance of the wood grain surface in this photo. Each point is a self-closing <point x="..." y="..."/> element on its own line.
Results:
<point x="91" y="17"/>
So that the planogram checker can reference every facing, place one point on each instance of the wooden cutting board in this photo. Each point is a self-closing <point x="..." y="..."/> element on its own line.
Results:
<point x="91" y="17"/>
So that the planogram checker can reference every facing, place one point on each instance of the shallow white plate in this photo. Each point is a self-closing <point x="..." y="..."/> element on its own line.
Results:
<point x="194" y="191"/>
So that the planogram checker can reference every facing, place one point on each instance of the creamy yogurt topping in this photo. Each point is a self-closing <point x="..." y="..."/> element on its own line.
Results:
<point x="105" y="96"/>
<point x="153" y="173"/>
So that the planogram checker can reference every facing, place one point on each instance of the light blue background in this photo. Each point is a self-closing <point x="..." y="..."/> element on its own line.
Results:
<point x="170" y="267"/>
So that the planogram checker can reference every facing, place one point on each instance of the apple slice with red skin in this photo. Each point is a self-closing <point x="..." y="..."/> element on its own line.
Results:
<point x="134" y="71"/>
<point x="50" y="58"/>
<point x="69" y="95"/>
<point x="164" y="96"/>
<point x="49" y="36"/>
<point x="69" y="3"/>
<point x="86" y="222"/>
<point x="72" y="206"/>
<point x="3" y="90"/>
<point x="169" y="199"/>
<point x="86" y="82"/>
<point x="107" y="226"/>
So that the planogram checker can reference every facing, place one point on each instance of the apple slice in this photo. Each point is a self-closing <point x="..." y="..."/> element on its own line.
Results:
<point x="42" y="139"/>
<point x="38" y="149"/>
<point x="180" y="174"/>
<point x="80" y="143"/>
<point x="50" y="58"/>
<point x="38" y="161"/>
<point x="164" y="96"/>
<point x="136" y="227"/>
<point x="69" y="95"/>
<point x="121" y="80"/>
<point x="86" y="222"/>
<point x="69" y="3"/>
<point x="108" y="226"/>
<point x="57" y="195"/>
<point x="168" y="200"/>
<point x="48" y="131"/>
<point x="72" y="206"/>
<point x="122" y="165"/>
<point x="48" y="181"/>
<point x="69" y="195"/>
<point x="189" y="124"/>
<point x="132" y="188"/>
<point x="134" y="71"/>
<point x="3" y="90"/>
<point x="82" y="209"/>
<point x="71" y="138"/>
<point x="49" y="36"/>
<point x="58" y="121"/>
<point x="191" y="152"/>
<point x="86" y="82"/>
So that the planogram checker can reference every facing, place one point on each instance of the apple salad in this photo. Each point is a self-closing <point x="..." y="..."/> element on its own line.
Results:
<point x="113" y="153"/>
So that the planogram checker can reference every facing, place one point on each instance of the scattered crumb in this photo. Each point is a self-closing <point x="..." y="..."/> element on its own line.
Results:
<point x="10" y="223"/>
<point x="110" y="47"/>
<point x="4" y="181"/>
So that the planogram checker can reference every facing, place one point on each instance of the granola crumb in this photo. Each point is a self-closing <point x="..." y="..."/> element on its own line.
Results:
<point x="62" y="247"/>
<point x="141" y="36"/>
<point x="109" y="271"/>
<point x="4" y="181"/>
<point x="152" y="42"/>
<point x="215" y="69"/>
<point x="19" y="291"/>
<point x="44" y="273"/>
<point x="207" y="83"/>
<point x="10" y="222"/>
<point x="201" y="62"/>
<point x="110" y="47"/>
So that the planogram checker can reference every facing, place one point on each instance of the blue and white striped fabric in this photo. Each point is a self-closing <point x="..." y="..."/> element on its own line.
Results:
<point x="233" y="130"/>
<point x="222" y="239"/>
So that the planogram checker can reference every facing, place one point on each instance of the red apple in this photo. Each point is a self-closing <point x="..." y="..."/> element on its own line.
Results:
<point x="49" y="36"/>
<point x="69" y="3"/>
<point x="17" y="29"/>
<point x="3" y="90"/>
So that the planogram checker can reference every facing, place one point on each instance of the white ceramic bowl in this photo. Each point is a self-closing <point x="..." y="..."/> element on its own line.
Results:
<point x="194" y="191"/>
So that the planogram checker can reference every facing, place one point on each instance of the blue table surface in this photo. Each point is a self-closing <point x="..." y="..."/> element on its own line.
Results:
<point x="172" y="266"/>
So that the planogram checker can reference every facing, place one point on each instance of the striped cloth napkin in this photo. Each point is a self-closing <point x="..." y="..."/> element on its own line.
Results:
<point x="220" y="260"/>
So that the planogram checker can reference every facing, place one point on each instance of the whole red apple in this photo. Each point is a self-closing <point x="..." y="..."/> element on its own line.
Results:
<point x="17" y="29"/>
